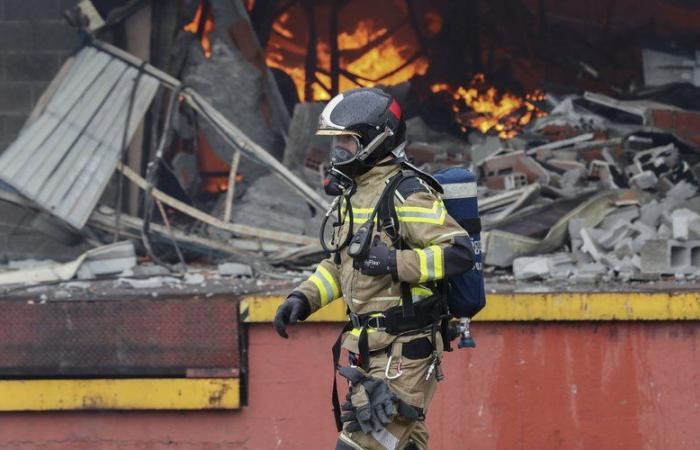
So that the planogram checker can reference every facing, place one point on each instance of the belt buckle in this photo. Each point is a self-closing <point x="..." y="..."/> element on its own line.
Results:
<point x="377" y="322"/>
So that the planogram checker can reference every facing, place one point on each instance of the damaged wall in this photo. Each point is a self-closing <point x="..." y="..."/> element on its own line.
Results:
<point x="34" y="42"/>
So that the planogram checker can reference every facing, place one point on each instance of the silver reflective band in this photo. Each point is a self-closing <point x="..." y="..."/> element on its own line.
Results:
<point x="459" y="190"/>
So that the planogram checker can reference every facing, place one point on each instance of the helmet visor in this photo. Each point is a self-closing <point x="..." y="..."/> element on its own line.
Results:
<point x="344" y="147"/>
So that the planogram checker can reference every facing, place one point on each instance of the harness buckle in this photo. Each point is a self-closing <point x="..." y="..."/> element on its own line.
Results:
<point x="377" y="322"/>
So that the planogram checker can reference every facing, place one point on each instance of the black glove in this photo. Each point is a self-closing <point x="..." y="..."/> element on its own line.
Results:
<point x="296" y="307"/>
<point x="381" y="260"/>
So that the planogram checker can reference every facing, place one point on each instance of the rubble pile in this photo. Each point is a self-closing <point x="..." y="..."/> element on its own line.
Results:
<point x="598" y="190"/>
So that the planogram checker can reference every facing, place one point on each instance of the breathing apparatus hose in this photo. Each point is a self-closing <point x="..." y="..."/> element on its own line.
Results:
<point x="339" y="203"/>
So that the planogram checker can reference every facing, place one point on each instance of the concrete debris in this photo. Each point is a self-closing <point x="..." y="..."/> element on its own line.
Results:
<point x="600" y="188"/>
<point x="525" y="268"/>
<point x="626" y="214"/>
<point x="234" y="270"/>
<point x="592" y="144"/>
<point x="667" y="256"/>
<point x="108" y="259"/>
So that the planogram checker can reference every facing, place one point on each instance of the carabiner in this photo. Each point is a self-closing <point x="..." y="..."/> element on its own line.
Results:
<point x="398" y="369"/>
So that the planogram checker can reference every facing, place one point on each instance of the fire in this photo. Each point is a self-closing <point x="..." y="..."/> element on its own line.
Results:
<point x="208" y="26"/>
<point x="482" y="107"/>
<point x="386" y="63"/>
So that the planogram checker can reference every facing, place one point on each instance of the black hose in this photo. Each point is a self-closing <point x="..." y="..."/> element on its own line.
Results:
<point x="341" y="218"/>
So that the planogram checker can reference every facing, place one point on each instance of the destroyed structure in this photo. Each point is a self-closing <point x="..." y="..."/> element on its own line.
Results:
<point x="199" y="151"/>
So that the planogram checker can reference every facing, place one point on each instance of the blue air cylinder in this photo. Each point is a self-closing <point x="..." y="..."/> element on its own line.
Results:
<point x="467" y="294"/>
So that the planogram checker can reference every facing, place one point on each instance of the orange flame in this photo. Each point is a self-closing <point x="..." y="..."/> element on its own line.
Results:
<point x="193" y="27"/>
<point x="482" y="107"/>
<point x="385" y="63"/>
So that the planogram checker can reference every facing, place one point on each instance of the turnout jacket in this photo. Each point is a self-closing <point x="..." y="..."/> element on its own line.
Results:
<point x="437" y="247"/>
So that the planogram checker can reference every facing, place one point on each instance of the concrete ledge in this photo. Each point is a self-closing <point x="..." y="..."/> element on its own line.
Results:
<point x="564" y="306"/>
<point x="116" y="394"/>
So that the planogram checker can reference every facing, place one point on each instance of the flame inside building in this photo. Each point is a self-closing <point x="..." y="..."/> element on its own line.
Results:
<point x="201" y="26"/>
<point x="383" y="49"/>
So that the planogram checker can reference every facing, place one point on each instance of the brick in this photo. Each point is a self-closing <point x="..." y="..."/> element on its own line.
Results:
<point x="32" y="10"/>
<point x="31" y="67"/>
<point x="15" y="97"/>
<point x="53" y="36"/>
<point x="15" y="36"/>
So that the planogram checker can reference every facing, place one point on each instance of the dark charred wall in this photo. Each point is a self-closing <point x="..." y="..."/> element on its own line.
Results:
<point x="34" y="42"/>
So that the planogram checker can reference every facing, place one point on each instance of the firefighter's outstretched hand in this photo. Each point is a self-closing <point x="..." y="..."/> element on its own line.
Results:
<point x="294" y="308"/>
<point x="381" y="260"/>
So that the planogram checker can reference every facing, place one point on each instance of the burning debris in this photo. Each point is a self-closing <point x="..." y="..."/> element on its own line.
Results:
<point x="599" y="185"/>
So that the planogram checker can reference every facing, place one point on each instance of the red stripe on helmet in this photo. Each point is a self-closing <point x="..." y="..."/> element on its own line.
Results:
<point x="395" y="108"/>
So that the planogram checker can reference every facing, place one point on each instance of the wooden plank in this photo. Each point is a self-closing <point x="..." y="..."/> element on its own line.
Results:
<point x="104" y="218"/>
<point x="120" y="394"/>
<point x="243" y="230"/>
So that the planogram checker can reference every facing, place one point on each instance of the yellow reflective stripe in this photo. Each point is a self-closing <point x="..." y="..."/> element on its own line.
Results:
<point x="420" y="292"/>
<point x="430" y="263"/>
<point x="329" y="277"/>
<point x="356" y="331"/>
<point x="417" y="214"/>
<point x="421" y="209"/>
<point x="437" y="261"/>
<point x="321" y="289"/>
<point x="423" y="264"/>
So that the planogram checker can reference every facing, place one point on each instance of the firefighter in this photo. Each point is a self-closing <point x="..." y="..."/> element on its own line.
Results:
<point x="391" y="283"/>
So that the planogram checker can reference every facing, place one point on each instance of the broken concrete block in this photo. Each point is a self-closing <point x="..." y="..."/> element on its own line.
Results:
<point x="626" y="214"/>
<point x="641" y="234"/>
<point x="570" y="179"/>
<point x="682" y="191"/>
<point x="108" y="260"/>
<point x="589" y="273"/>
<point x="232" y="269"/>
<point x="668" y="256"/>
<point x="619" y="232"/>
<point x="561" y="265"/>
<point x="650" y="213"/>
<point x="681" y="220"/>
<point x="589" y="245"/>
<point x="490" y="147"/>
<point x="624" y="248"/>
<point x="644" y="180"/>
<point x="664" y="231"/>
<point x="529" y="267"/>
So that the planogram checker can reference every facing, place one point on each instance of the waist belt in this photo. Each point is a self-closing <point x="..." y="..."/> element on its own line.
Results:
<point x="392" y="320"/>
<point x="428" y="313"/>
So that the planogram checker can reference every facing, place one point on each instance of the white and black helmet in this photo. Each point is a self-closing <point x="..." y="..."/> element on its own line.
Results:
<point x="373" y="117"/>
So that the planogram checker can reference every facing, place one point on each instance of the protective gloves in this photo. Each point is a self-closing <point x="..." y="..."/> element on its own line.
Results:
<point x="381" y="260"/>
<point x="296" y="307"/>
<point x="371" y="404"/>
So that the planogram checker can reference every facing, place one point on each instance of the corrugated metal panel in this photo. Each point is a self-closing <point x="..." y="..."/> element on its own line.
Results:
<point x="64" y="159"/>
